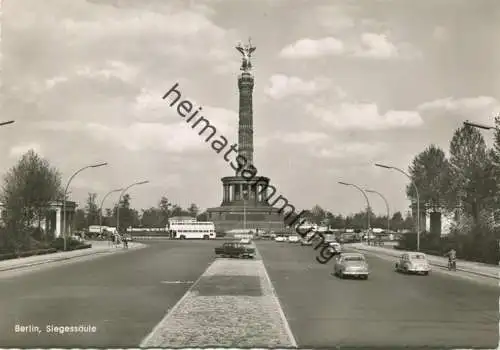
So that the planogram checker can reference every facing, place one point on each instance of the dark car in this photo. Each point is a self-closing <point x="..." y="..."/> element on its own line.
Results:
<point x="235" y="250"/>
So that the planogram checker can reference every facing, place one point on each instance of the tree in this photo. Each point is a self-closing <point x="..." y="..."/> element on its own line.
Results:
<point x="203" y="216"/>
<point x="397" y="221"/>
<point x="471" y="181"/>
<point x="430" y="171"/>
<point x="29" y="188"/>
<point x="152" y="218"/>
<point x="165" y="209"/>
<point x="193" y="210"/>
<point x="92" y="210"/>
<point x="80" y="220"/>
<point x="318" y="214"/>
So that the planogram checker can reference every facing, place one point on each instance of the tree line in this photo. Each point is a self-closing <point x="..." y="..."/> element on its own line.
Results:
<point x="465" y="183"/>
<point x="153" y="217"/>
<point x="358" y="221"/>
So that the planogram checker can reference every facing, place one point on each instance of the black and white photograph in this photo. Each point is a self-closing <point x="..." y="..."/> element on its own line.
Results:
<point x="250" y="174"/>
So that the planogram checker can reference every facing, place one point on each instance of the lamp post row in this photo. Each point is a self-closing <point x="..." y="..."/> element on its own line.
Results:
<point x="466" y="123"/>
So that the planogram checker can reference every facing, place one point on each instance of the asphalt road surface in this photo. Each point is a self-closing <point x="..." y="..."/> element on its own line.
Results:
<point x="121" y="295"/>
<point x="388" y="310"/>
<point x="124" y="296"/>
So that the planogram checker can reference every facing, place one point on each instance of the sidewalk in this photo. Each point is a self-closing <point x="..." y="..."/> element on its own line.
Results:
<point x="98" y="247"/>
<point x="438" y="261"/>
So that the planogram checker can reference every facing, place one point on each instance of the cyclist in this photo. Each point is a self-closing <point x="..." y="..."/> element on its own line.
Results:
<point x="452" y="259"/>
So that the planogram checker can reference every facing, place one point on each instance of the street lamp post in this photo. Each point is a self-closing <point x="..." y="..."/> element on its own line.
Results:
<point x="7" y="123"/>
<point x="477" y="125"/>
<point x="66" y="194"/>
<point x="120" y="199"/>
<point x="102" y="203"/>
<point x="416" y="192"/>
<point x="386" y="206"/>
<point x="367" y="208"/>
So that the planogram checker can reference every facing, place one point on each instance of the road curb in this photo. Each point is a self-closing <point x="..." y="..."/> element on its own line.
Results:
<point x="441" y="266"/>
<point x="18" y="267"/>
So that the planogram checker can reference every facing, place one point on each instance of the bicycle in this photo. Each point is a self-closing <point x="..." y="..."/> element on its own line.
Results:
<point x="452" y="265"/>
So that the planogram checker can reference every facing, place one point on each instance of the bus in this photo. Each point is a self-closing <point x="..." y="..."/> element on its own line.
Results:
<point x="191" y="229"/>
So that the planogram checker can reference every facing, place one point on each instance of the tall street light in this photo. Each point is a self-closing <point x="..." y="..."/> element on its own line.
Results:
<point x="66" y="195"/>
<point x="416" y="191"/>
<point x="120" y="199"/>
<point x="386" y="206"/>
<point x="102" y="203"/>
<point x="7" y="123"/>
<point x="367" y="207"/>
<point x="477" y="125"/>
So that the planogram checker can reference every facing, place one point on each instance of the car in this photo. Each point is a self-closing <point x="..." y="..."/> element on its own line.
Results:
<point x="306" y="241"/>
<point x="235" y="250"/>
<point x="279" y="239"/>
<point x="293" y="239"/>
<point x="336" y="246"/>
<point x="245" y="241"/>
<point x="413" y="262"/>
<point x="351" y="265"/>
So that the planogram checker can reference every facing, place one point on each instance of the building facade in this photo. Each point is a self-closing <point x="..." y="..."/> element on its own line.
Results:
<point x="53" y="223"/>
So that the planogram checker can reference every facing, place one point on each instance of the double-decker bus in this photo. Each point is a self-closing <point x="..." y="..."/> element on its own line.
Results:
<point x="191" y="229"/>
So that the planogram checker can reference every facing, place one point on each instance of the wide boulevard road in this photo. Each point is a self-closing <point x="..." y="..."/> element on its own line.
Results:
<point x="124" y="296"/>
<point x="388" y="310"/>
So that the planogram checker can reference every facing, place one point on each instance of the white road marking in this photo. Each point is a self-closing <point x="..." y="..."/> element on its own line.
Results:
<point x="282" y="313"/>
<point x="177" y="282"/>
<point x="168" y="314"/>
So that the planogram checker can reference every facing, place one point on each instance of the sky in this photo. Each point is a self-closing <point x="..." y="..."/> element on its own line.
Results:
<point x="339" y="85"/>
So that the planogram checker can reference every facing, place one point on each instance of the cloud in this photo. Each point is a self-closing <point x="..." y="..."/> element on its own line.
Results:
<point x="461" y="104"/>
<point x="175" y="137"/>
<point x="440" y="33"/>
<point x="376" y="46"/>
<point x="363" y="116"/>
<point x="20" y="149"/>
<point x="308" y="48"/>
<point x="301" y="137"/>
<point x="369" y="45"/>
<point x="359" y="150"/>
<point x="283" y="86"/>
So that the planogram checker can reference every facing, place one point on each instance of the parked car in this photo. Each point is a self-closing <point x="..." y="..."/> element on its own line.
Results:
<point x="245" y="241"/>
<point x="235" y="250"/>
<point x="413" y="262"/>
<point x="351" y="265"/>
<point x="280" y="239"/>
<point x="293" y="239"/>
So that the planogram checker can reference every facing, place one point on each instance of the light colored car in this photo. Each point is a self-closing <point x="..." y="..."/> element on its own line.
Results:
<point x="413" y="262"/>
<point x="306" y="241"/>
<point x="293" y="239"/>
<point x="335" y="247"/>
<point x="351" y="265"/>
<point x="245" y="241"/>
<point x="279" y="239"/>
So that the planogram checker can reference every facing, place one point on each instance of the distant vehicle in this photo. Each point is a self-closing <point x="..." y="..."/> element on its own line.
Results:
<point x="94" y="230"/>
<point x="279" y="239"/>
<point x="351" y="265"/>
<point x="77" y="238"/>
<point x="335" y="247"/>
<point x="245" y="241"/>
<point x="413" y="263"/>
<point x="191" y="229"/>
<point x="235" y="250"/>
<point x="293" y="239"/>
<point x="127" y="237"/>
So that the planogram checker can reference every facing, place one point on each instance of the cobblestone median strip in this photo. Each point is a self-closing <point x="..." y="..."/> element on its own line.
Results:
<point x="233" y="304"/>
